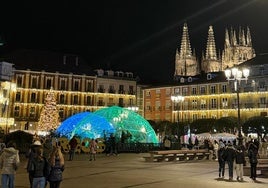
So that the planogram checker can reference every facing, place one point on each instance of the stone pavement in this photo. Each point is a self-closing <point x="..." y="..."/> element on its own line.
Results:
<point x="130" y="170"/>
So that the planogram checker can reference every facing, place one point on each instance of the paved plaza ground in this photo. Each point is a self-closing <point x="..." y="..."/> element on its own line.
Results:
<point x="130" y="170"/>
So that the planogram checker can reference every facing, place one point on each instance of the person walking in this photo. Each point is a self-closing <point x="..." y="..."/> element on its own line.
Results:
<point x="40" y="169"/>
<point x="229" y="157"/>
<point x="9" y="161"/>
<point x="93" y="149"/>
<point x="253" y="159"/>
<point x="56" y="162"/>
<point x="221" y="160"/>
<point x="240" y="161"/>
<point x="72" y="143"/>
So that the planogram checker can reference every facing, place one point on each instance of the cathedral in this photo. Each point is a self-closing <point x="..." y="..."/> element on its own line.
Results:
<point x="237" y="49"/>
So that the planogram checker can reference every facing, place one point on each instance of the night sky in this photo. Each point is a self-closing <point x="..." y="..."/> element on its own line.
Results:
<point x="139" y="36"/>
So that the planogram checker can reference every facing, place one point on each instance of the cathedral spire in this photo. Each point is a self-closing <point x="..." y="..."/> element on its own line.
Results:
<point x="234" y="40"/>
<point x="185" y="43"/>
<point x="227" y="38"/>
<point x="185" y="62"/>
<point x="241" y="35"/>
<point x="211" y="47"/>
<point x="249" y="43"/>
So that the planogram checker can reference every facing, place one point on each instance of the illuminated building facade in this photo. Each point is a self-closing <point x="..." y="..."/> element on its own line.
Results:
<point x="77" y="88"/>
<point x="211" y="96"/>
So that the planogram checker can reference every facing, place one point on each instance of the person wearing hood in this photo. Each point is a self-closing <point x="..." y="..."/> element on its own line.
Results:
<point x="9" y="161"/>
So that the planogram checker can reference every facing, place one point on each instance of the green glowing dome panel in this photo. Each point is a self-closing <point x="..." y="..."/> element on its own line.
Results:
<point x="125" y="120"/>
<point x="85" y="125"/>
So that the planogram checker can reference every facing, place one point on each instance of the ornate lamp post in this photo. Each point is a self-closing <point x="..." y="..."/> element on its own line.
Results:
<point x="237" y="76"/>
<point x="176" y="99"/>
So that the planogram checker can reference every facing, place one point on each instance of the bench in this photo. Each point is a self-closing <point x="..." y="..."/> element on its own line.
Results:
<point x="177" y="155"/>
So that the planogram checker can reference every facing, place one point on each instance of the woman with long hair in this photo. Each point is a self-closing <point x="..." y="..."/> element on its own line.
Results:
<point x="56" y="162"/>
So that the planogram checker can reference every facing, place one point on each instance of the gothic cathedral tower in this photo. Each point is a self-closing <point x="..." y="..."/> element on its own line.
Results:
<point x="211" y="63"/>
<point x="186" y="63"/>
<point x="236" y="52"/>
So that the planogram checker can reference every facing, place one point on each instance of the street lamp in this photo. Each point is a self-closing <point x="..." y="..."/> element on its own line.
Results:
<point x="176" y="99"/>
<point x="237" y="76"/>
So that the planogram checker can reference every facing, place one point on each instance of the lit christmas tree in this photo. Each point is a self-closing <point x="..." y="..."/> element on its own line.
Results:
<point x="49" y="117"/>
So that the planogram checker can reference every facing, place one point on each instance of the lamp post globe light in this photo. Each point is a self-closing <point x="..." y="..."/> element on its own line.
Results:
<point x="176" y="99"/>
<point x="236" y="76"/>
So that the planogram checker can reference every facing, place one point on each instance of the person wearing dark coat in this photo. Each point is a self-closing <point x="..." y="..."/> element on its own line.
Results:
<point x="253" y="159"/>
<point x="56" y="162"/>
<point x="221" y="160"/>
<point x="240" y="161"/>
<point x="229" y="156"/>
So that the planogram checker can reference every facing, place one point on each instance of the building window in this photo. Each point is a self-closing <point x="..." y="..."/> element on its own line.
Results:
<point x="121" y="89"/>
<point x="224" y="102"/>
<point x="89" y="86"/>
<point x="100" y="102"/>
<point x="121" y="102"/>
<point x="88" y="100"/>
<point x="18" y="97"/>
<point x="75" y="99"/>
<point x="61" y="113"/>
<point x="262" y="85"/>
<point x="62" y="99"/>
<point x="19" y="81"/>
<point x="17" y="111"/>
<point x="185" y="91"/>
<point x="203" y="104"/>
<point x="76" y="85"/>
<point x="32" y="112"/>
<point x="203" y="90"/>
<point x="111" y="89"/>
<point x="48" y="83"/>
<point x="101" y="89"/>
<point x="62" y="84"/>
<point x="213" y="103"/>
<point x="33" y="97"/>
<point x="194" y="92"/>
<point x="34" y="82"/>
<point x="194" y="104"/>
<point x="131" y="90"/>
<point x="213" y="89"/>
<point x="224" y="88"/>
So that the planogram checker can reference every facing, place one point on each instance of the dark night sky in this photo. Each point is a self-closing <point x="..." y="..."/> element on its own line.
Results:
<point x="139" y="36"/>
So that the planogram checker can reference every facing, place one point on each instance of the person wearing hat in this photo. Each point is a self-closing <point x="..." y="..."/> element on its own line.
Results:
<point x="30" y="156"/>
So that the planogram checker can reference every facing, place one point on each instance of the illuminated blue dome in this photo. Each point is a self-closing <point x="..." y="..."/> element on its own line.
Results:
<point x="126" y="121"/>
<point x="85" y="125"/>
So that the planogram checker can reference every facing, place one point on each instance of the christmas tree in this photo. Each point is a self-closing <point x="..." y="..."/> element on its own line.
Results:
<point x="49" y="117"/>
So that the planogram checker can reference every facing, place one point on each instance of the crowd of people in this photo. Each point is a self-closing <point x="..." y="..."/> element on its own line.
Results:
<point x="234" y="155"/>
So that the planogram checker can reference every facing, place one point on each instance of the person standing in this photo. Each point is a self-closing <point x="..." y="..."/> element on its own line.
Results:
<point x="221" y="160"/>
<point x="229" y="156"/>
<point x="30" y="156"/>
<point x="240" y="161"/>
<point x="9" y="161"/>
<point x="72" y="143"/>
<point x="216" y="148"/>
<point x="56" y="162"/>
<point x="39" y="169"/>
<point x="93" y="149"/>
<point x="253" y="159"/>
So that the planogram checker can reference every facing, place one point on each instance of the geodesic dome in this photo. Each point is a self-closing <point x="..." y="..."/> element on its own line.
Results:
<point x="124" y="120"/>
<point x="85" y="125"/>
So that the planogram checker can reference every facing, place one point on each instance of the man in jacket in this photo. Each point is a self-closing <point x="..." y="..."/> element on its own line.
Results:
<point x="9" y="161"/>
<point x="230" y="157"/>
